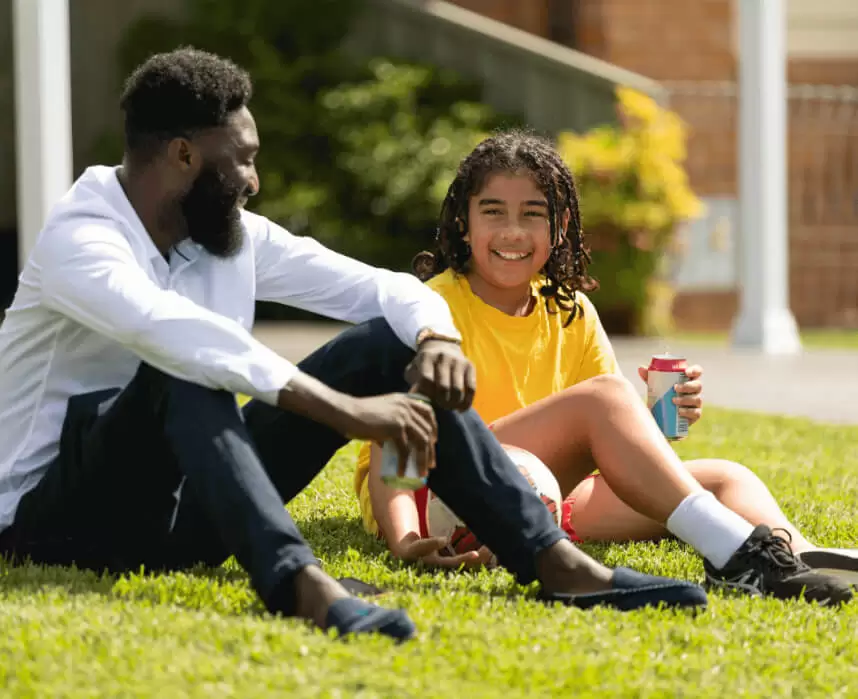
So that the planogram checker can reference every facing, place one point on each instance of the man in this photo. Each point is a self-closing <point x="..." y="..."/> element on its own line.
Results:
<point x="121" y="443"/>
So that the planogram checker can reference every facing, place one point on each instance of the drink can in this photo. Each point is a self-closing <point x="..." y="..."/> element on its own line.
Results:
<point x="665" y="371"/>
<point x="411" y="478"/>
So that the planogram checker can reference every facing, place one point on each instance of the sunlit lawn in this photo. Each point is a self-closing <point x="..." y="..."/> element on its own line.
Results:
<point x="71" y="634"/>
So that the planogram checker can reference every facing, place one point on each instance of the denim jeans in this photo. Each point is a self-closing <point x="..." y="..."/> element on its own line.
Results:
<point x="167" y="474"/>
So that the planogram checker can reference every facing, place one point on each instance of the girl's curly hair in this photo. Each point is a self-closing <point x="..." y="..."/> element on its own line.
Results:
<point x="516" y="151"/>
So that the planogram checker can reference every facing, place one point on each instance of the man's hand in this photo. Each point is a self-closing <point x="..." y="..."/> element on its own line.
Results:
<point x="395" y="417"/>
<point x="441" y="372"/>
<point x="428" y="551"/>
<point x="690" y="393"/>
<point x="407" y="422"/>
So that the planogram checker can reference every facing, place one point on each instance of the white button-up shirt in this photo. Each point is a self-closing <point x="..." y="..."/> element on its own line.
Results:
<point x="96" y="297"/>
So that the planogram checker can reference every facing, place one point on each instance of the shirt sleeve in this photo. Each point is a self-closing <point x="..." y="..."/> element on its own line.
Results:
<point x="89" y="274"/>
<point x="598" y="357"/>
<point x="299" y="271"/>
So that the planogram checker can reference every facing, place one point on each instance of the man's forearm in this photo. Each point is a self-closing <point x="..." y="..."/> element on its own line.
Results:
<point x="307" y="396"/>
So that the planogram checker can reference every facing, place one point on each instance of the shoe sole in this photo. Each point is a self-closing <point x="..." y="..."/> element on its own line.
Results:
<point x="739" y="590"/>
<point x="730" y="588"/>
<point x="685" y="597"/>
<point x="835" y="564"/>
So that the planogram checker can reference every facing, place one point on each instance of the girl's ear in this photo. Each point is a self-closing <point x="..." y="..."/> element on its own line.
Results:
<point x="460" y="224"/>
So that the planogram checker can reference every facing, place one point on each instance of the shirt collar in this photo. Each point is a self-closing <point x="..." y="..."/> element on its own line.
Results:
<point x="188" y="250"/>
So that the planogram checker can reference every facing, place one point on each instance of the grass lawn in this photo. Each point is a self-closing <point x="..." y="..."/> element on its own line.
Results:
<point x="811" y="339"/>
<point x="70" y="634"/>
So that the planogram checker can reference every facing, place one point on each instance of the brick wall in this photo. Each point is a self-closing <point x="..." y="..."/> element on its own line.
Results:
<point x="662" y="39"/>
<point x="823" y="72"/>
<point x="529" y="15"/>
<point x="681" y="40"/>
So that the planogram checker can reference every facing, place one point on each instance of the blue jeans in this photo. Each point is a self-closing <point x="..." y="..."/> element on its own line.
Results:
<point x="167" y="474"/>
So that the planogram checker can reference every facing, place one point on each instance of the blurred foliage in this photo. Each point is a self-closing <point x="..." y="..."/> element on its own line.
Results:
<point x="356" y="153"/>
<point x="634" y="197"/>
<point x="397" y="143"/>
<point x="359" y="153"/>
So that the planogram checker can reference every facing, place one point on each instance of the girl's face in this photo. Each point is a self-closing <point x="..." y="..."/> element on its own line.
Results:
<point x="508" y="231"/>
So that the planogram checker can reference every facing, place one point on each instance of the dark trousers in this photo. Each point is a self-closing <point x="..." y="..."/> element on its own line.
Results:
<point x="167" y="474"/>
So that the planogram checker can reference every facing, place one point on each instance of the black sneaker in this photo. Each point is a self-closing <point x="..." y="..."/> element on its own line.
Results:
<point x="766" y="565"/>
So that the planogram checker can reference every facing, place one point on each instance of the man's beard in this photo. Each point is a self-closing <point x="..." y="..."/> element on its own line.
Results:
<point x="212" y="214"/>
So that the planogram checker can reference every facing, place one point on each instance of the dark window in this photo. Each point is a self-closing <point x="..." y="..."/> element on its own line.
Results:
<point x="562" y="15"/>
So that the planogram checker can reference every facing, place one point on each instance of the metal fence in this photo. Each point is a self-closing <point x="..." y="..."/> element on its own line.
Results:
<point x="822" y="179"/>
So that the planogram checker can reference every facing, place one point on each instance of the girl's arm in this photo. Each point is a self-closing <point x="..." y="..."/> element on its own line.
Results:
<point x="398" y="521"/>
<point x="395" y="509"/>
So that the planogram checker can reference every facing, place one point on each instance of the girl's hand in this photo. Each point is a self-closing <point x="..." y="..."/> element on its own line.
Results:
<point x="690" y="393"/>
<point x="429" y="550"/>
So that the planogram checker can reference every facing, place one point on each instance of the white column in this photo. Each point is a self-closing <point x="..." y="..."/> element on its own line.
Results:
<point x="765" y="321"/>
<point x="42" y="112"/>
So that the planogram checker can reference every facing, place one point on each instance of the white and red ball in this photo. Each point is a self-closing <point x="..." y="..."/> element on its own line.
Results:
<point x="442" y="521"/>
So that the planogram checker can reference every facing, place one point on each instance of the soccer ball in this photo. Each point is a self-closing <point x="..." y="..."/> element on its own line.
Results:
<point x="442" y="521"/>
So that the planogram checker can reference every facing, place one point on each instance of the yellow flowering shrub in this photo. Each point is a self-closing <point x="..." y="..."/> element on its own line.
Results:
<point x="632" y="176"/>
<point x="634" y="193"/>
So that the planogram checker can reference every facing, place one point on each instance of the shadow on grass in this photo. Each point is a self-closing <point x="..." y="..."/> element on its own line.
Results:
<point x="333" y="536"/>
<point x="188" y="588"/>
<point x="225" y="588"/>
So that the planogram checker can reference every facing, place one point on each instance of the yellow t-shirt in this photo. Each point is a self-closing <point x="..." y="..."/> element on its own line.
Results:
<point x="519" y="360"/>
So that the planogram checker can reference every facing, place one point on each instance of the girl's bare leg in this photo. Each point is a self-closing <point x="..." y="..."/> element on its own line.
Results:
<point x="742" y="491"/>
<point x="603" y="423"/>
<point x="599" y="515"/>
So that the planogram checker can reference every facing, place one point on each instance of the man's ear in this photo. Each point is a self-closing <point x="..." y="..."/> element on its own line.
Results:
<point x="183" y="155"/>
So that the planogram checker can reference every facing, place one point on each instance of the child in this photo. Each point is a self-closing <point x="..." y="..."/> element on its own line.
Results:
<point x="511" y="264"/>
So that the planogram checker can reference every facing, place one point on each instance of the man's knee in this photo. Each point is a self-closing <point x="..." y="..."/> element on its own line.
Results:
<point x="180" y="392"/>
<point x="375" y="342"/>
<point x="380" y="336"/>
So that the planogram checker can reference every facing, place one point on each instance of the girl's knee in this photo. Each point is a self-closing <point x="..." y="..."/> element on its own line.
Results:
<point x="610" y="388"/>
<point x="714" y="474"/>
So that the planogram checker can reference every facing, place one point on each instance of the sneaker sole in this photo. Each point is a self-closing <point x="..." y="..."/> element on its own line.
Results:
<point x="731" y="588"/>
<point x="831" y="563"/>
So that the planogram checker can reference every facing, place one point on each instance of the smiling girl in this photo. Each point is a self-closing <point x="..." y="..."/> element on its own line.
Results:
<point x="511" y="263"/>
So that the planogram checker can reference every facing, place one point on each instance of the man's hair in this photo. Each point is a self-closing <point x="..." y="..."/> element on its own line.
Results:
<point x="175" y="94"/>
<point x="516" y="151"/>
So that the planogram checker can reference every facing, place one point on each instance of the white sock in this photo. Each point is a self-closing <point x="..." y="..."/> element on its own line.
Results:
<point x="713" y="530"/>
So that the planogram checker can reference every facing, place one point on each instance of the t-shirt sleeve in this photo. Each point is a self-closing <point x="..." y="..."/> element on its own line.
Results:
<point x="598" y="357"/>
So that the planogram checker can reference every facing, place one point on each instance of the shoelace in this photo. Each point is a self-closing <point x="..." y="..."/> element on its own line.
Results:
<point x="776" y="550"/>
